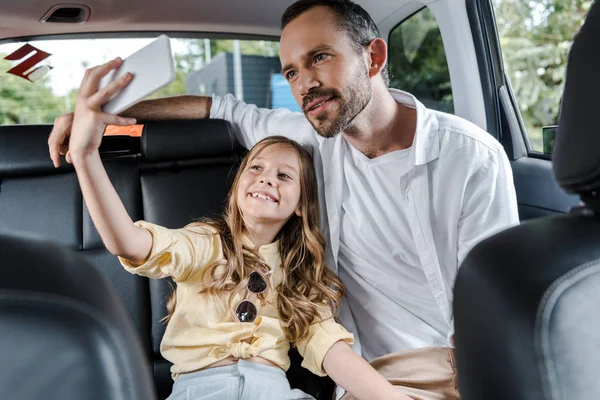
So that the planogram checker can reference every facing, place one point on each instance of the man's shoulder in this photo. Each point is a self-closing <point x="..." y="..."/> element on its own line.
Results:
<point x="458" y="139"/>
<point x="465" y="132"/>
<point x="251" y="123"/>
<point x="223" y="107"/>
<point x="465" y="139"/>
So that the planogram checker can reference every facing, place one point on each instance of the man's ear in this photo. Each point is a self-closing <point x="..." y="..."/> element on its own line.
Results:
<point x="377" y="52"/>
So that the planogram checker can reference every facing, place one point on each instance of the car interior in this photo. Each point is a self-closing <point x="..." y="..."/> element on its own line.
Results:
<point x="93" y="331"/>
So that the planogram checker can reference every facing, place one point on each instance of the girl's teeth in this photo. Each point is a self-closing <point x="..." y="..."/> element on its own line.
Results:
<point x="261" y="196"/>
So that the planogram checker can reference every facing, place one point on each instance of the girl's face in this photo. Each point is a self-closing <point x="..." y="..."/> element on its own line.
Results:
<point x="269" y="188"/>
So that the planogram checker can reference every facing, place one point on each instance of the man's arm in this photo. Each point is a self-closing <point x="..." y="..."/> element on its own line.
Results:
<point x="490" y="204"/>
<point x="179" y="107"/>
<point x="250" y="123"/>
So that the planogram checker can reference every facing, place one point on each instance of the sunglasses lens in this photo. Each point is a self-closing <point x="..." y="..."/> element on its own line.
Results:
<point x="256" y="283"/>
<point x="246" y="311"/>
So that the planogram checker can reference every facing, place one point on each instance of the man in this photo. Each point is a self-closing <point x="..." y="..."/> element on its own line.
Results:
<point x="405" y="191"/>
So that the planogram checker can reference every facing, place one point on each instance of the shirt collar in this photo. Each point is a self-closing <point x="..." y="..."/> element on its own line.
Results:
<point x="426" y="144"/>
<point x="270" y="248"/>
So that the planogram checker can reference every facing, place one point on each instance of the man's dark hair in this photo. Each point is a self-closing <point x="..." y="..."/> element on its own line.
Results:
<point x="353" y="19"/>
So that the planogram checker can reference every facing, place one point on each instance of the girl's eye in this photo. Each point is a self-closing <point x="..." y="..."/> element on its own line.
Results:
<point x="255" y="167"/>
<point x="284" y="176"/>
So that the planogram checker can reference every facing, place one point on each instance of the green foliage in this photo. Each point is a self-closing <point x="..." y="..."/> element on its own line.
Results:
<point x="535" y="37"/>
<point x="417" y="61"/>
<point x="24" y="102"/>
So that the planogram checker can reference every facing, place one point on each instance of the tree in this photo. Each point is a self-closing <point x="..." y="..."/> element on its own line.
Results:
<point x="535" y="37"/>
<point x="417" y="61"/>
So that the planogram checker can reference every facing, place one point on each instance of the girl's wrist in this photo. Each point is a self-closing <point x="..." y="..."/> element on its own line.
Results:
<point x="80" y="156"/>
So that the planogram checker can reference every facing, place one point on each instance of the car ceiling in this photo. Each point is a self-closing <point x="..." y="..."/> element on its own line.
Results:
<point x="20" y="18"/>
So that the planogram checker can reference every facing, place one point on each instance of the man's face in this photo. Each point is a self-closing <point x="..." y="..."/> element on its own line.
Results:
<point x="328" y="77"/>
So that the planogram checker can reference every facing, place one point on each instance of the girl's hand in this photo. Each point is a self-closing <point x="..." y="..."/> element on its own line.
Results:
<point x="89" y="122"/>
<point x="357" y="376"/>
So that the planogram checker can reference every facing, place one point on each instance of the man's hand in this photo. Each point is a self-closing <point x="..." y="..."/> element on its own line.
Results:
<point x="58" y="142"/>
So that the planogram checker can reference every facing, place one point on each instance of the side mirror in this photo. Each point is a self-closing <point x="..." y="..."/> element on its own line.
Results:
<point x="548" y="134"/>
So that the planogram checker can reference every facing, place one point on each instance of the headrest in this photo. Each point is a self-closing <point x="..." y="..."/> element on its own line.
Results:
<point x="69" y="336"/>
<point x="526" y="320"/>
<point x="189" y="139"/>
<point x="24" y="150"/>
<point x="576" y="157"/>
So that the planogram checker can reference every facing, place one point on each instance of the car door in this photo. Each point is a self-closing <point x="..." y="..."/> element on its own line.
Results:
<point x="535" y="65"/>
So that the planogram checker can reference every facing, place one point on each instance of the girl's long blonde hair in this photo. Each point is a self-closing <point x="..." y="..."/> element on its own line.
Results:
<point x="307" y="282"/>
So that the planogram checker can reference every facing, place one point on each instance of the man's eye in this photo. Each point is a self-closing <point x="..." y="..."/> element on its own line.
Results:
<point x="320" y="57"/>
<point x="290" y="75"/>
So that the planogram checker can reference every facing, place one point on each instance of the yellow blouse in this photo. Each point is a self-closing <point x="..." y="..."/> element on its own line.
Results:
<point x="201" y="332"/>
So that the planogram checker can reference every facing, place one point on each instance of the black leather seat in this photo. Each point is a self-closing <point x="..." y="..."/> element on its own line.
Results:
<point x="63" y="332"/>
<point x="527" y="300"/>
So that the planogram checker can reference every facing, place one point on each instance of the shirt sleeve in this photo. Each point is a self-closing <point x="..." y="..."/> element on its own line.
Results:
<point x="177" y="253"/>
<point x="490" y="204"/>
<point x="322" y="334"/>
<point x="252" y="124"/>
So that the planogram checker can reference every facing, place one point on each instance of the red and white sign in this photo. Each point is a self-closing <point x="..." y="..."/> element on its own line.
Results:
<point x="31" y="60"/>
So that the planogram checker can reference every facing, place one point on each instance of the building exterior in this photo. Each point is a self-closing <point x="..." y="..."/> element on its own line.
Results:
<point x="218" y="78"/>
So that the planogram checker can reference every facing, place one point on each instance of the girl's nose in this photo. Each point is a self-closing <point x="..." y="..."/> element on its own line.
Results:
<point x="265" y="180"/>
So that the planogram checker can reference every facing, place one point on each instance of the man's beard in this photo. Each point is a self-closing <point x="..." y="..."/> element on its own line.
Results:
<point x="351" y="102"/>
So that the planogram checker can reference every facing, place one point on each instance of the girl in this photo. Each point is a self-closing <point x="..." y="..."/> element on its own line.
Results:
<point x="248" y="284"/>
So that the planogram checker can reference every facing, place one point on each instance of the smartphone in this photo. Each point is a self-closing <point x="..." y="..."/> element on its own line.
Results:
<point x="152" y="68"/>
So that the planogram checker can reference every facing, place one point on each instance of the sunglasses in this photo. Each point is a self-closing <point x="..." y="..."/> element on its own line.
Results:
<point x="246" y="310"/>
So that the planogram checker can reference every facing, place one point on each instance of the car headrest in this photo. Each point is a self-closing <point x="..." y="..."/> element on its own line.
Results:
<point x="576" y="157"/>
<point x="24" y="150"/>
<point x="526" y="312"/>
<point x="64" y="333"/>
<point x="187" y="139"/>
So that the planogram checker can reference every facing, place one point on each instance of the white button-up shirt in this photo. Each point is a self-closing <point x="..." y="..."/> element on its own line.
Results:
<point x="378" y="261"/>
<point x="457" y="191"/>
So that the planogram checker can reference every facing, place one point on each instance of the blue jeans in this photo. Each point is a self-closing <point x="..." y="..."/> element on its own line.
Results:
<point x="244" y="380"/>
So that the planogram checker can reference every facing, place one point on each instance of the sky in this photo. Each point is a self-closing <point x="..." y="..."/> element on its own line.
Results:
<point x="70" y="58"/>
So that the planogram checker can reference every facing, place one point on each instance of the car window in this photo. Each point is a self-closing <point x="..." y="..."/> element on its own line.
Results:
<point x="202" y="66"/>
<point x="535" y="37"/>
<point x="417" y="61"/>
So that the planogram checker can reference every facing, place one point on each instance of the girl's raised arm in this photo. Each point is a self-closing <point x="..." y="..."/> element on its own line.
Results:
<point x="120" y="236"/>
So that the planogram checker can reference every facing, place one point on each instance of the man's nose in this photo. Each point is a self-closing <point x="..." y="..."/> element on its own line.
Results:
<point x="308" y="81"/>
